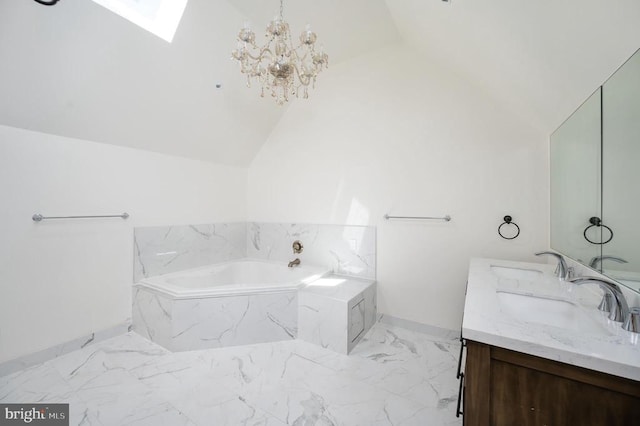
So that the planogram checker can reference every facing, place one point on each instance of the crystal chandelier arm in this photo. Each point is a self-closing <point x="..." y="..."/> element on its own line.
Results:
<point x="262" y="51"/>
<point x="261" y="56"/>
<point x="304" y="79"/>
<point x="300" y="59"/>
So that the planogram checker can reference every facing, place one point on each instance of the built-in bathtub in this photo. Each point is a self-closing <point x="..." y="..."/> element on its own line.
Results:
<point x="238" y="277"/>
<point x="232" y="303"/>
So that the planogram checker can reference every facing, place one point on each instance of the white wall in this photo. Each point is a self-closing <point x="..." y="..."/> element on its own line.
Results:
<point x="60" y="280"/>
<point x="386" y="133"/>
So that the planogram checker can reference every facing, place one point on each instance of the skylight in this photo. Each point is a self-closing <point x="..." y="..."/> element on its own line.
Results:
<point x="160" y="17"/>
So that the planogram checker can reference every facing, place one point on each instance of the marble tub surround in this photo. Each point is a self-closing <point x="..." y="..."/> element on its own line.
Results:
<point x="189" y="324"/>
<point x="336" y="312"/>
<point x="611" y="350"/>
<point x="394" y="377"/>
<point x="162" y="249"/>
<point x="345" y="249"/>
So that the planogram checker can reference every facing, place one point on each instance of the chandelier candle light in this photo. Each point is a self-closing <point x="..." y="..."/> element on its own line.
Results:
<point x="278" y="65"/>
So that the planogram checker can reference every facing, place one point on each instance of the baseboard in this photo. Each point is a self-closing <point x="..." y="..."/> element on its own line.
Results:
<point x="29" y="360"/>
<point x="431" y="330"/>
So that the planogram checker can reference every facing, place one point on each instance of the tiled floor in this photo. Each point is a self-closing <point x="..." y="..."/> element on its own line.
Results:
<point x="393" y="377"/>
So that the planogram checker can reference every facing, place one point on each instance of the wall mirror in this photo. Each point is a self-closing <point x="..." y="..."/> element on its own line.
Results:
<point x="621" y="173"/>
<point x="575" y="181"/>
<point x="595" y="179"/>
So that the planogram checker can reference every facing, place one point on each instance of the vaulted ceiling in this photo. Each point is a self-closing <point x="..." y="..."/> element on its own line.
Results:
<point x="543" y="58"/>
<point x="78" y="70"/>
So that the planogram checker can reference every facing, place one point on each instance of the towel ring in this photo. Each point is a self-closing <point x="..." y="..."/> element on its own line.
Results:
<point x="508" y="220"/>
<point x="596" y="221"/>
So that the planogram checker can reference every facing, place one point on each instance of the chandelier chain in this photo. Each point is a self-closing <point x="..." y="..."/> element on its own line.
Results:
<point x="282" y="9"/>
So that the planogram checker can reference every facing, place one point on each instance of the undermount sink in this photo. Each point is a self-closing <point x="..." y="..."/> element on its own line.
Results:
<point x="547" y="310"/>
<point x="516" y="273"/>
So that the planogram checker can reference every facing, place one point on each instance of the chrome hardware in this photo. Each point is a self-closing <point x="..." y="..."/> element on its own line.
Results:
<point x="293" y="263"/>
<point x="39" y="218"/>
<point x="632" y="322"/>
<point x="297" y="247"/>
<point x="619" y="308"/>
<point x="606" y="303"/>
<point x="446" y="218"/>
<point x="562" y="271"/>
<point x="593" y="263"/>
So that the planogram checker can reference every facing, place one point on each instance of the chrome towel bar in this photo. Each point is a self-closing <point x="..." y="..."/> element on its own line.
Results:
<point x="38" y="217"/>
<point x="446" y="218"/>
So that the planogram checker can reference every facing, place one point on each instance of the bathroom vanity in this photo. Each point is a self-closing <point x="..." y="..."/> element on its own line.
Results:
<point x="539" y="352"/>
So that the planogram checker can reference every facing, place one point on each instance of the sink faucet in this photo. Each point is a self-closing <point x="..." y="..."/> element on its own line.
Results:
<point x="293" y="263"/>
<point x="562" y="271"/>
<point x="618" y="310"/>
<point x="598" y="260"/>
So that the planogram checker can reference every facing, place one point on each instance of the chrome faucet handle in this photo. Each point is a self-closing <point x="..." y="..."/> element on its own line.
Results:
<point x="613" y="300"/>
<point x="607" y="302"/>
<point x="562" y="271"/>
<point x="593" y="263"/>
<point x="632" y="322"/>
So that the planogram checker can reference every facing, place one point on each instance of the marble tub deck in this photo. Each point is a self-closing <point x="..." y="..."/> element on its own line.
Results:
<point x="393" y="377"/>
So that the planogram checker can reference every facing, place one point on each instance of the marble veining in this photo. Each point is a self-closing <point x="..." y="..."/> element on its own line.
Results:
<point x="345" y="249"/>
<point x="335" y="312"/>
<point x="189" y="324"/>
<point x="163" y="249"/>
<point x="613" y="350"/>
<point x="393" y="377"/>
<point x="26" y="361"/>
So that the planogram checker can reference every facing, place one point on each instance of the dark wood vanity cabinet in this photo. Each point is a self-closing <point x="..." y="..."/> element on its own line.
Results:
<point x="507" y="388"/>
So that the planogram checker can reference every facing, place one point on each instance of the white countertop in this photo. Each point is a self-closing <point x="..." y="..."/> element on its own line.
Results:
<point x="613" y="350"/>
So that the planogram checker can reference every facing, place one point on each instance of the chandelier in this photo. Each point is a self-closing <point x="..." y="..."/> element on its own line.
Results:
<point x="280" y="67"/>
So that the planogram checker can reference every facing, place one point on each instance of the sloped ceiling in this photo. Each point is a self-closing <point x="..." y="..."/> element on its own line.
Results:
<point x="542" y="58"/>
<point x="78" y="70"/>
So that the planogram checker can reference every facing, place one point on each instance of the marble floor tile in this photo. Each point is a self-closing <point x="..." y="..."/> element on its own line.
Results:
<point x="36" y="384"/>
<point x="393" y="377"/>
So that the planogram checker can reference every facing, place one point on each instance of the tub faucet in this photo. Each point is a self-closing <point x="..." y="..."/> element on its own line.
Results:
<point x="613" y="300"/>
<point x="562" y="271"/>
<point x="293" y="263"/>
<point x="598" y="260"/>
